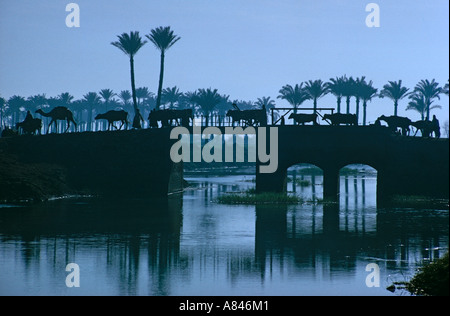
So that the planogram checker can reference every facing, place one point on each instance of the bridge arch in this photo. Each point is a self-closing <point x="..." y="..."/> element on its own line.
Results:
<point x="358" y="185"/>
<point x="305" y="179"/>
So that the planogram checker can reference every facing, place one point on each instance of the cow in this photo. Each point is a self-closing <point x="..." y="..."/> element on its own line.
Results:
<point x="250" y="117"/>
<point x="427" y="128"/>
<point x="338" y="119"/>
<point x="395" y="122"/>
<point x="304" y="118"/>
<point x="166" y="117"/>
<point x="114" y="116"/>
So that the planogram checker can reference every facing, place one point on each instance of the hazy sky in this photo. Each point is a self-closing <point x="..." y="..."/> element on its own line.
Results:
<point x="244" y="48"/>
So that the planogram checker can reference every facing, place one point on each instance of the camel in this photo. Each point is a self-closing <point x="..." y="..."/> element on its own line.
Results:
<point x="32" y="126"/>
<point x="114" y="116"/>
<point x="60" y="113"/>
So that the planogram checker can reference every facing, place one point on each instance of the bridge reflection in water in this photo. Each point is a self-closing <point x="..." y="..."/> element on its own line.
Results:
<point x="194" y="246"/>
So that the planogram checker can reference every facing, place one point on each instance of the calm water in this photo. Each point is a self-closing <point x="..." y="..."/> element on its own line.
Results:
<point x="191" y="245"/>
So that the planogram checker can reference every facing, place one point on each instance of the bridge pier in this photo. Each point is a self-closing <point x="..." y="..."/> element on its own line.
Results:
<point x="331" y="184"/>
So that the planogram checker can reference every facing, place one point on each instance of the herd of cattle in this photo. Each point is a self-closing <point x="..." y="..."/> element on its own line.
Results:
<point x="170" y="117"/>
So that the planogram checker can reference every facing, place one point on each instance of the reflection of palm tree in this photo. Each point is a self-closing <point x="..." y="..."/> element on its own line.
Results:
<point x="163" y="38"/>
<point x="418" y="103"/>
<point x="336" y="87"/>
<point x="130" y="44"/>
<point x="429" y="90"/>
<point x="394" y="91"/>
<point x="207" y="100"/>
<point x="171" y="96"/>
<point x="92" y="100"/>
<point x="367" y="92"/>
<point x="315" y="90"/>
<point x="295" y="96"/>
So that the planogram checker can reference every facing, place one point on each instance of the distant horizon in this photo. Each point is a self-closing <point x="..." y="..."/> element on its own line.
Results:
<point x="245" y="49"/>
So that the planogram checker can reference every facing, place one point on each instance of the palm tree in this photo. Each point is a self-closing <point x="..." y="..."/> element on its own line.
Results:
<point x="336" y="87"/>
<point x="92" y="100"/>
<point x="295" y="96"/>
<point x="36" y="101"/>
<point x="207" y="100"/>
<point x="429" y="90"/>
<point x="2" y="106"/>
<point x="315" y="90"/>
<point x="125" y="97"/>
<point x="367" y="92"/>
<point x="269" y="104"/>
<point x="163" y="38"/>
<point x="358" y="86"/>
<point x="130" y="44"/>
<point x="107" y="95"/>
<point x="17" y="105"/>
<point x="142" y="94"/>
<point x="419" y="104"/>
<point x="445" y="89"/>
<point x="348" y="90"/>
<point x="65" y="98"/>
<point x="396" y="92"/>
<point x="171" y="96"/>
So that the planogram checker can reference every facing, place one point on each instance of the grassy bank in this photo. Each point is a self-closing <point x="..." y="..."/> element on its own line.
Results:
<point x="251" y="198"/>
<point x="431" y="280"/>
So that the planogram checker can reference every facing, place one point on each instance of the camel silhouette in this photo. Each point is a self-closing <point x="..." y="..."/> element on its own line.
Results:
<point x="60" y="113"/>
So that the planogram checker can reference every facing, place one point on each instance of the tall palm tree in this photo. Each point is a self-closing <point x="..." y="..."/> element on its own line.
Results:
<point x="430" y="90"/>
<point x="171" y="96"/>
<point x="92" y="101"/>
<point x="2" y="108"/>
<point x="130" y="44"/>
<point x="295" y="96"/>
<point x="207" y="100"/>
<point x="315" y="90"/>
<point x="357" y="89"/>
<point x="348" y="91"/>
<point x="17" y="105"/>
<point x="396" y="92"/>
<point x="367" y="92"/>
<point x="419" y="104"/>
<point x="336" y="87"/>
<point x="163" y="38"/>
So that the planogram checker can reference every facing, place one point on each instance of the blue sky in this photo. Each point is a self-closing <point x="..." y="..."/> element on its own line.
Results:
<point x="244" y="48"/>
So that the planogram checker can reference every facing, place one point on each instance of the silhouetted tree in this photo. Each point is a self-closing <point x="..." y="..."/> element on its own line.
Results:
<point x="142" y="94"/>
<point x="336" y="87"/>
<point x="207" y="100"/>
<point x="348" y="91"/>
<point x="17" y="105"/>
<point x="419" y="104"/>
<point x="92" y="100"/>
<point x="65" y="99"/>
<point x="163" y="38"/>
<point x="357" y="90"/>
<point x="37" y="101"/>
<point x="269" y="104"/>
<point x="367" y="92"/>
<point x="171" y="96"/>
<point x="2" y="111"/>
<point x="130" y="44"/>
<point x="315" y="90"/>
<point x="430" y="90"/>
<point x="396" y="92"/>
<point x="125" y="97"/>
<point x="295" y="96"/>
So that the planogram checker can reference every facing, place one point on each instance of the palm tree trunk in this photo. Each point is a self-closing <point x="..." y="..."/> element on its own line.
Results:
<point x="90" y="118"/>
<point x="357" y="110"/>
<point x="161" y="77"/>
<point x="348" y="105"/>
<point x="133" y="85"/>
<point x="364" y="113"/>
<point x="428" y="110"/>
<point x="315" y="105"/>
<point x="339" y="100"/>
<point x="395" y="108"/>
